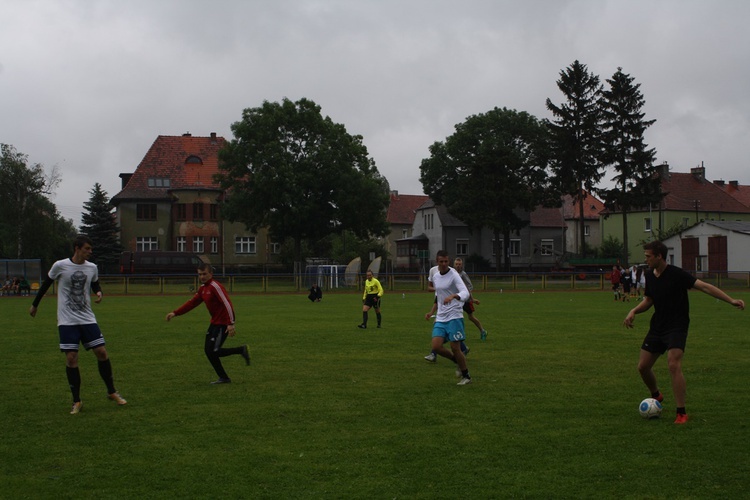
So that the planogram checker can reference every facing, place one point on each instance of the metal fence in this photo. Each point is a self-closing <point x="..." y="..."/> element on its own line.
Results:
<point x="396" y="282"/>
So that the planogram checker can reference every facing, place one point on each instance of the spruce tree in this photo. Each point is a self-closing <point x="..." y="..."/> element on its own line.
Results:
<point x="99" y="224"/>
<point x="636" y="183"/>
<point x="575" y="138"/>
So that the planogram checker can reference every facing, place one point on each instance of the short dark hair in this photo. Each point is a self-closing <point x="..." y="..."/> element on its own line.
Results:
<point x="205" y="266"/>
<point x="657" y="248"/>
<point x="441" y="253"/>
<point x="81" y="240"/>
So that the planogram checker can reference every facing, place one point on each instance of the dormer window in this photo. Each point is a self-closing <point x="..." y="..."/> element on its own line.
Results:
<point x="158" y="182"/>
<point x="193" y="160"/>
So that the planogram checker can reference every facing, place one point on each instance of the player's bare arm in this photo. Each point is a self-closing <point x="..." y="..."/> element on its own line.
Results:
<point x="643" y="306"/>
<point x="718" y="293"/>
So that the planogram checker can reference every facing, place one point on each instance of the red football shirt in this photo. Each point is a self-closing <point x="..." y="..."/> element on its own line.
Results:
<point x="217" y="302"/>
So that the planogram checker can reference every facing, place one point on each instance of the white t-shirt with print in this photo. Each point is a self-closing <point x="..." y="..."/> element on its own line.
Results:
<point x="74" y="291"/>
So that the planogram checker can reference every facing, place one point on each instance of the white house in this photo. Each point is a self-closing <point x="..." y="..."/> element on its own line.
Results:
<point x="711" y="246"/>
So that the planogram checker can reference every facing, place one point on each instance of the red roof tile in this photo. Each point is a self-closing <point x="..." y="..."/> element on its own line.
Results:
<point x="188" y="162"/>
<point x="546" y="217"/>
<point x="683" y="190"/>
<point x="592" y="206"/>
<point x="737" y="191"/>
<point x="402" y="208"/>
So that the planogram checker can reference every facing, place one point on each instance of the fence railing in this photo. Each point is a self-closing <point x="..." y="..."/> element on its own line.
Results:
<point x="396" y="282"/>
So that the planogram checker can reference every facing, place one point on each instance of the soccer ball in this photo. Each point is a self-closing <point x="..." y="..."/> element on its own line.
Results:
<point x="650" y="408"/>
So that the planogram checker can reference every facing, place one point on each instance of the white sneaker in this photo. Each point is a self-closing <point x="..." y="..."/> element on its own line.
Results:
<point x="458" y="373"/>
<point x="464" y="381"/>
<point x="432" y="357"/>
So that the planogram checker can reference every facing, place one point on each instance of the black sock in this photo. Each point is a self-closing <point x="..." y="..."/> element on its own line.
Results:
<point x="105" y="370"/>
<point x="379" y="318"/>
<point x="74" y="381"/>
<point x="681" y="410"/>
<point x="364" y="318"/>
<point x="465" y="373"/>
<point x="656" y="394"/>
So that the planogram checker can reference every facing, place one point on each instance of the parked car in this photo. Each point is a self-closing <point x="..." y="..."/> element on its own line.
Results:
<point x="159" y="262"/>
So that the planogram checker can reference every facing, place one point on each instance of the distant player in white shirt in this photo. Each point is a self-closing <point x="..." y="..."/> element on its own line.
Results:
<point x="451" y="294"/>
<point x="76" y="323"/>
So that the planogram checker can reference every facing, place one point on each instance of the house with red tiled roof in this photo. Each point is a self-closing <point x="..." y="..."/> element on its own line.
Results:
<point x="592" y="207"/>
<point x="688" y="200"/>
<point x="540" y="245"/>
<point x="171" y="202"/>
<point x="402" y="210"/>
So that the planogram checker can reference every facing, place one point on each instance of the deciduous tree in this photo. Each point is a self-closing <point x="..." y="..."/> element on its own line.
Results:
<point x="490" y="172"/>
<point x="301" y="175"/>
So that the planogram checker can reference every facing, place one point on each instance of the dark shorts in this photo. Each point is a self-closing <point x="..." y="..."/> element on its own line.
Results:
<point x="372" y="301"/>
<point x="659" y="343"/>
<point x="469" y="307"/>
<point x="71" y="335"/>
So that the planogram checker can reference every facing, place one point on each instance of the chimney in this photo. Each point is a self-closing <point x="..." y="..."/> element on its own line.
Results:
<point x="125" y="178"/>
<point x="213" y="137"/>
<point x="699" y="173"/>
<point x="719" y="183"/>
<point x="187" y="134"/>
<point x="734" y="184"/>
<point x="663" y="171"/>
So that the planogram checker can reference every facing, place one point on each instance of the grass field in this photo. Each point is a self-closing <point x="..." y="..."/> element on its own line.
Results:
<point x="329" y="411"/>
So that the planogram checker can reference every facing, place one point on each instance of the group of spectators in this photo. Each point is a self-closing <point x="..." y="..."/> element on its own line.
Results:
<point x="15" y="286"/>
<point x="627" y="283"/>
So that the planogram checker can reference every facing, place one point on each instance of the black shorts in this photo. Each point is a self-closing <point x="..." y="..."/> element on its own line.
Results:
<point x="372" y="300"/>
<point x="659" y="343"/>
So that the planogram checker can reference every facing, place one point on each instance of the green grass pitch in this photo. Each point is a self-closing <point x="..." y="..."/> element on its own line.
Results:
<point x="330" y="411"/>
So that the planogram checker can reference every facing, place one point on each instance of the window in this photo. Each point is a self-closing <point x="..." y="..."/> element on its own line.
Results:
<point x="181" y="244"/>
<point x="159" y="182"/>
<point x="213" y="212"/>
<point x="462" y="247"/>
<point x="428" y="221"/>
<point x="685" y="222"/>
<point x="180" y="210"/>
<point x="404" y="233"/>
<point x="198" y="244"/>
<point x="548" y="247"/>
<point x="586" y="230"/>
<point x="244" y="244"/>
<point x="194" y="160"/>
<point x="214" y="244"/>
<point x="145" y="211"/>
<point x="197" y="211"/>
<point x="146" y="243"/>
<point x="647" y="224"/>
<point x="275" y="248"/>
<point x="515" y="247"/>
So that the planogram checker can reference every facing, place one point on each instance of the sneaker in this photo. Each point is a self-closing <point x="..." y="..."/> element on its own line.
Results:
<point x="483" y="335"/>
<point x="362" y="326"/>
<point x="75" y="410"/>
<point x="245" y="354"/>
<point x="464" y="381"/>
<point x="682" y="418"/>
<point x="378" y="325"/>
<point x="432" y="357"/>
<point x="221" y="381"/>
<point x="115" y="396"/>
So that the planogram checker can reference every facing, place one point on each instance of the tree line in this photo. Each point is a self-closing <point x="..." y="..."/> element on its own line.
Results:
<point x="315" y="188"/>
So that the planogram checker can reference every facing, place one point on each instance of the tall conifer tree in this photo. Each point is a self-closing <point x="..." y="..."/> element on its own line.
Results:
<point x="99" y="224"/>
<point x="576" y="138"/>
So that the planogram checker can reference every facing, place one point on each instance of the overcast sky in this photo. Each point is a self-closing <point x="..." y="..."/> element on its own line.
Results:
<point x="88" y="85"/>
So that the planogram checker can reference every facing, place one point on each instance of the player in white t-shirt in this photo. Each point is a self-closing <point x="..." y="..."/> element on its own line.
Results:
<point x="76" y="279"/>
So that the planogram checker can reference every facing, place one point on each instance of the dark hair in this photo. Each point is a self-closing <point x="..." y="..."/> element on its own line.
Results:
<point x="657" y="248"/>
<point x="81" y="240"/>
<point x="205" y="266"/>
<point x="441" y="253"/>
